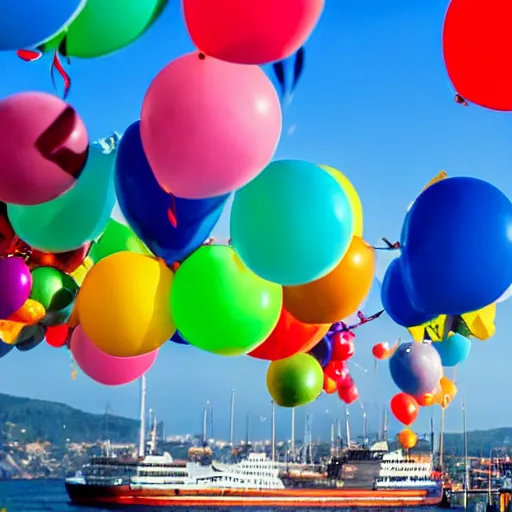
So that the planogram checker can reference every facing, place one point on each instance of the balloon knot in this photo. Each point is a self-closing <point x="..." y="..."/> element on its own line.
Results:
<point x="460" y="100"/>
<point x="175" y="266"/>
<point x="202" y="56"/>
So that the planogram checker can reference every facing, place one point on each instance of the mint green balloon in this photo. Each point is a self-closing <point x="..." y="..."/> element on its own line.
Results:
<point x="76" y="217"/>
<point x="117" y="237"/>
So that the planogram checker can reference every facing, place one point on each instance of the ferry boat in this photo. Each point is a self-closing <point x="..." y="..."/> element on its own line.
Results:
<point x="370" y="477"/>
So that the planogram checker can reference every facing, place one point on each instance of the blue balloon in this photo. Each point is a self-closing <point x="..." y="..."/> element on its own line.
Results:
<point x="416" y="368"/>
<point x="292" y="224"/>
<point x="5" y="348"/>
<point x="322" y="351"/>
<point x="145" y="205"/>
<point x="395" y="299"/>
<point x="30" y="337"/>
<point x="454" y="349"/>
<point x="457" y="247"/>
<point x="28" y="23"/>
<point x="179" y="339"/>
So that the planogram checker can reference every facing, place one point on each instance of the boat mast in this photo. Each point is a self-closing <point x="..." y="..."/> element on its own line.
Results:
<point x="292" y="443"/>
<point x="232" y="420"/>
<point x="338" y="438"/>
<point x="142" y="430"/>
<point x="273" y="448"/>
<point x="385" y="425"/>
<point x="347" y="426"/>
<point x="365" y="425"/>
<point x="332" y="438"/>
<point x="466" y="465"/>
<point x="247" y="425"/>
<point x="205" y="423"/>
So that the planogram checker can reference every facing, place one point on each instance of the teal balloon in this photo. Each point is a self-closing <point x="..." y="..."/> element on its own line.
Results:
<point x="292" y="224"/>
<point x="76" y="217"/>
<point x="454" y="349"/>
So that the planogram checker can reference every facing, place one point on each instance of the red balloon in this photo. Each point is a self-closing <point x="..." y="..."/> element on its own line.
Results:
<point x="348" y="394"/>
<point x="248" y="32"/>
<point x="342" y="347"/>
<point x="66" y="261"/>
<point x="405" y="408"/>
<point x="288" y="338"/>
<point x="477" y="47"/>
<point x="57" y="335"/>
<point x="380" y="350"/>
<point x="336" y="370"/>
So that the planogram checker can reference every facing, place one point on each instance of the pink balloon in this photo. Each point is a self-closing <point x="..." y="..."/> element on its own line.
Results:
<point x="251" y="32"/>
<point x="209" y="127"/>
<point x="43" y="148"/>
<point x="105" y="369"/>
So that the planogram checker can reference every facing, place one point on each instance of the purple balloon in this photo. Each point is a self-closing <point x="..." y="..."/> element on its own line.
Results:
<point x="416" y="368"/>
<point x="322" y="351"/>
<point x="15" y="285"/>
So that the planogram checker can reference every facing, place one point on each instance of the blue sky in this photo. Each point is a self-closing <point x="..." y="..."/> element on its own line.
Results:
<point x="375" y="102"/>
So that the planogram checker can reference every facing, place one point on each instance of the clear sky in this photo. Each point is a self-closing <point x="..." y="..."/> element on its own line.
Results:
<point x="374" y="102"/>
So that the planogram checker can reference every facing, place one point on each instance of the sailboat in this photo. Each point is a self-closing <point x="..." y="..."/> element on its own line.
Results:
<point x="160" y="481"/>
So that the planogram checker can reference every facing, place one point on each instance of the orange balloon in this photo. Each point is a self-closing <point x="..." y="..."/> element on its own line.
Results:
<point x="407" y="439"/>
<point x="426" y="399"/>
<point x="9" y="331"/>
<point x="447" y="392"/>
<point x="330" y="385"/>
<point x="338" y="294"/>
<point x="30" y="313"/>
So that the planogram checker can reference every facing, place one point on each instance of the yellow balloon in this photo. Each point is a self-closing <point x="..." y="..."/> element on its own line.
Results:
<point x="481" y="323"/>
<point x="353" y="198"/>
<point x="124" y="304"/>
<point x="79" y="274"/>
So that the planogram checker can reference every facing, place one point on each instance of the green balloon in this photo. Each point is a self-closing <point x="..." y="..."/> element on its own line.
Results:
<point x="104" y="26"/>
<point x="54" y="289"/>
<point x="76" y="217"/>
<point x="220" y="306"/>
<point x="116" y="238"/>
<point x="296" y="380"/>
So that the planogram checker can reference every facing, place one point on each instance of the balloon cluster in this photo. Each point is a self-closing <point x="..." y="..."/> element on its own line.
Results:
<point x="442" y="292"/>
<point x="209" y="125"/>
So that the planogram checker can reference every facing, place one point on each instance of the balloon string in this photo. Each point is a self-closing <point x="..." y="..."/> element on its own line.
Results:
<point x="57" y="66"/>
<point x="389" y="246"/>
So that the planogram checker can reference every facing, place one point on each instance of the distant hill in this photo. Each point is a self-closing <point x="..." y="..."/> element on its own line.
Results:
<point x="480" y="442"/>
<point x="27" y="420"/>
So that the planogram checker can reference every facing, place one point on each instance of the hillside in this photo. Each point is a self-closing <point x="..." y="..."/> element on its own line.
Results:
<point x="480" y="442"/>
<point x="27" y="420"/>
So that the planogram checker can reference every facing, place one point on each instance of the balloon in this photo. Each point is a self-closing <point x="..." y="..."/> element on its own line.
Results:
<point x="481" y="323"/>
<point x="342" y="347"/>
<point x="30" y="337"/>
<point x="104" y="27"/>
<point x="66" y="261"/>
<point x="505" y="296"/>
<point x="395" y="299"/>
<point x="27" y="24"/>
<point x="294" y="381"/>
<point x="209" y="127"/>
<point x="322" y="351"/>
<point x="339" y="372"/>
<point x="57" y="335"/>
<point x="289" y="337"/>
<point x="106" y="369"/>
<point x="56" y="292"/>
<point x="5" y="349"/>
<point x="179" y="339"/>
<point x="251" y="33"/>
<point x="405" y="408"/>
<point x="15" y="285"/>
<point x="7" y="235"/>
<point x="449" y="279"/>
<point x="77" y="217"/>
<point x="381" y="350"/>
<point x="339" y="293"/>
<point x="416" y="368"/>
<point x="220" y="306"/>
<point x="476" y="47"/>
<point x="426" y="399"/>
<point x="79" y="274"/>
<point x="446" y="393"/>
<point x="53" y="142"/>
<point x="146" y="206"/>
<point x="407" y="438"/>
<point x="124" y="304"/>
<point x="116" y="238"/>
<point x="348" y="394"/>
<point x="279" y="238"/>
<point x="30" y="313"/>
<point x="353" y="198"/>
<point x="453" y="350"/>
<point x="10" y="331"/>
<point x="330" y="385"/>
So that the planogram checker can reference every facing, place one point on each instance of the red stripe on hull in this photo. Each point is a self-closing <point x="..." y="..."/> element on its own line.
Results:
<point x="282" y="498"/>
